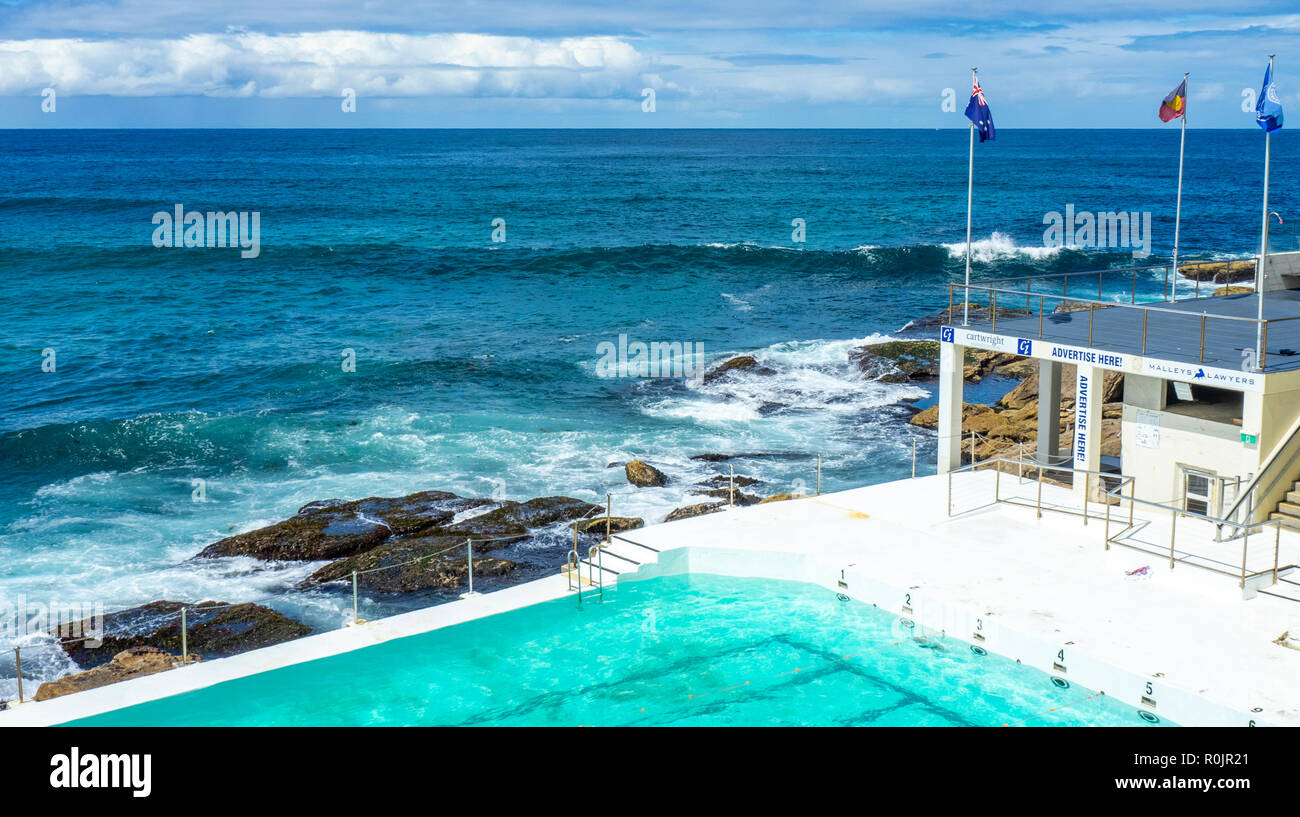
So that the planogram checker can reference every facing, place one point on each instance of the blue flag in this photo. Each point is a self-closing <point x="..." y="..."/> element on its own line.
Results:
<point x="977" y="111"/>
<point x="1268" y="110"/>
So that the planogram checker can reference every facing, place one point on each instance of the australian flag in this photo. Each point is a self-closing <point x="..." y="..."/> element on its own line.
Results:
<point x="977" y="111"/>
<point x="1268" y="109"/>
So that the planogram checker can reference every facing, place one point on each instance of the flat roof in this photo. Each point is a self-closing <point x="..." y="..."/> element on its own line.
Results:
<point x="1173" y="329"/>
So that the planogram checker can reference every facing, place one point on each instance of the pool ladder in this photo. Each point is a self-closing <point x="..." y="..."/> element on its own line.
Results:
<point x="596" y="572"/>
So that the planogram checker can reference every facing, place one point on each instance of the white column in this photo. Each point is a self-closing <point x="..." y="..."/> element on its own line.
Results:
<point x="1049" y="412"/>
<point x="951" y="361"/>
<point x="1085" y="445"/>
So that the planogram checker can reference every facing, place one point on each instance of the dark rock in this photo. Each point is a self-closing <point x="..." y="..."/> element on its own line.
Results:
<point x="515" y="519"/>
<point x="978" y="312"/>
<point x="898" y="361"/>
<point x="694" y="510"/>
<point x="722" y="481"/>
<point x="771" y="455"/>
<point x="644" y="475"/>
<point x="741" y="498"/>
<point x="617" y="524"/>
<point x="440" y="565"/>
<point x="332" y="529"/>
<point x="740" y="363"/>
<point x="901" y="361"/>
<point x="214" y="629"/>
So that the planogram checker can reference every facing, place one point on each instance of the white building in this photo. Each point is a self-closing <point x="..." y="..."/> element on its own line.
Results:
<point x="1209" y="425"/>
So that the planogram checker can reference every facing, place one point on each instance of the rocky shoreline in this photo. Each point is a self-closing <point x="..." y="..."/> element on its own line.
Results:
<point x="396" y="545"/>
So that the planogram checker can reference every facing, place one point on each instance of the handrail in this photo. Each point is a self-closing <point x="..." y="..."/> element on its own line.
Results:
<point x="1243" y="576"/>
<point x="1020" y="462"/>
<point x="1078" y="273"/>
<point x="1272" y="472"/>
<point x="1116" y="496"/>
<point x="1145" y="306"/>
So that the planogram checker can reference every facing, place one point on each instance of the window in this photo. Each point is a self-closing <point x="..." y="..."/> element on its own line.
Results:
<point x="1196" y="498"/>
<point x="1206" y="402"/>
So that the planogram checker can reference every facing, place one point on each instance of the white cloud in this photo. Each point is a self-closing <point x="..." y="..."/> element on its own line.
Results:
<point x="321" y="63"/>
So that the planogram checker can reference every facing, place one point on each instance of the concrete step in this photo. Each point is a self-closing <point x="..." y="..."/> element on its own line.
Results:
<point x="1289" y="508"/>
<point x="1293" y="497"/>
<point x="1289" y="522"/>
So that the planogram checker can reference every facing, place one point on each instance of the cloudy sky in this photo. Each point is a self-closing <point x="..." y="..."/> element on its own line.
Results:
<point x="581" y="63"/>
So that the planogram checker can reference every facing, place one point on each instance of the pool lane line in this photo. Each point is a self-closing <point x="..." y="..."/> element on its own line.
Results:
<point x="1053" y="709"/>
<point x="743" y="684"/>
<point x="825" y="663"/>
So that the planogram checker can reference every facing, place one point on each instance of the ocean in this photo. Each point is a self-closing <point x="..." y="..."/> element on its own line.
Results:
<point x="193" y="373"/>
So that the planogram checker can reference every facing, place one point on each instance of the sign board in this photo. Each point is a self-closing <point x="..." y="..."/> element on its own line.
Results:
<point x="1146" y="432"/>
<point x="1233" y="379"/>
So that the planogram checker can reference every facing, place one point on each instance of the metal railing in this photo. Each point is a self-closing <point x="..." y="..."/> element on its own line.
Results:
<point x="1119" y="490"/>
<point x="1283" y="465"/>
<point x="1035" y="472"/>
<point x="1001" y="446"/>
<point x="1206" y="562"/>
<point x="1006" y="288"/>
<point x="155" y="622"/>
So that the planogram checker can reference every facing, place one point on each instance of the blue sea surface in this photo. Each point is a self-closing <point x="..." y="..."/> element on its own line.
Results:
<point x="188" y="370"/>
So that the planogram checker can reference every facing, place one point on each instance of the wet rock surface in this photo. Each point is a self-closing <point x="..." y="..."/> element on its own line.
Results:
<point x="694" y="510"/>
<point x="1219" y="272"/>
<point x="977" y="312"/>
<point x="330" y="529"/>
<point x="617" y="524"/>
<point x="644" y="475"/>
<point x="739" y="497"/>
<point x="134" y="662"/>
<point x="215" y="629"/>
<point x="723" y="480"/>
<point x="740" y="363"/>
<point x="1011" y="424"/>
<point x="917" y="360"/>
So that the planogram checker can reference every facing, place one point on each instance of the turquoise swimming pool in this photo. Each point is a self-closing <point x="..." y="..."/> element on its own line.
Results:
<point x="696" y="650"/>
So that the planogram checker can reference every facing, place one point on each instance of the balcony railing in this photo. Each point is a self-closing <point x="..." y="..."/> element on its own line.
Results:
<point x="1045" y="296"/>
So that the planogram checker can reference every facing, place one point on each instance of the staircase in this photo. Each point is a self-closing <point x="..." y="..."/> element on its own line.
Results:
<point x="621" y="555"/>
<point x="1288" y="510"/>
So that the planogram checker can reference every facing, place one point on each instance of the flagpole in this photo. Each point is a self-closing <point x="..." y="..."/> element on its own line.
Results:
<point x="1178" y="208"/>
<point x="970" y="188"/>
<point x="1263" y="244"/>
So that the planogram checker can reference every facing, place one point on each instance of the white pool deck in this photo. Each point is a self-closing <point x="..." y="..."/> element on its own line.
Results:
<point x="1042" y="590"/>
